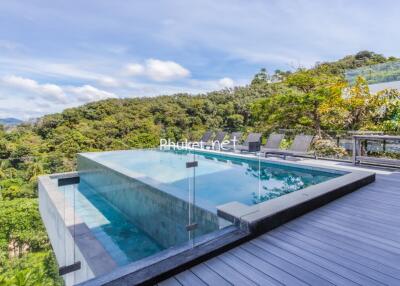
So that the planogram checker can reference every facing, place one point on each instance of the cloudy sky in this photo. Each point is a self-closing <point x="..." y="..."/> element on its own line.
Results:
<point x="57" y="54"/>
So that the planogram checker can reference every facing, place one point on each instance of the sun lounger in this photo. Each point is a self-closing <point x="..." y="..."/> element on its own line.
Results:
<point x="273" y="143"/>
<point x="217" y="140"/>
<point x="206" y="137"/>
<point x="251" y="144"/>
<point x="299" y="147"/>
<point x="235" y="136"/>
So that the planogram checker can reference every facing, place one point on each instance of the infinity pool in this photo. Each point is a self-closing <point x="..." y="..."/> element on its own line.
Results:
<point x="147" y="206"/>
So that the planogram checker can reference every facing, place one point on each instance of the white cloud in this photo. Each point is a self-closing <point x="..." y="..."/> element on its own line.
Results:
<point x="135" y="69"/>
<point x="89" y="93"/>
<point x="48" y="91"/>
<point x="165" y="70"/>
<point x="55" y="93"/>
<point x="158" y="70"/>
<point x="108" y="81"/>
<point x="79" y="71"/>
<point x="226" y="82"/>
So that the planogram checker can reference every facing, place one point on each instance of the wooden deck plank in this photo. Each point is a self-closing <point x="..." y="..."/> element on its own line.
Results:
<point x="391" y="202"/>
<point x="343" y="258"/>
<point x="228" y="272"/>
<point x="170" y="282"/>
<point x="188" y="278"/>
<point x="317" y="259"/>
<point x="352" y="240"/>
<point x="349" y="237"/>
<point x="365" y="212"/>
<point x="352" y="247"/>
<point x="371" y="215"/>
<point x="387" y="191"/>
<point x="375" y="202"/>
<point x="366" y="233"/>
<point x="388" y="235"/>
<point x="362" y="220"/>
<point x="249" y="271"/>
<point x="309" y="266"/>
<point x="369" y="203"/>
<point x="209" y="276"/>
<point x="262" y="258"/>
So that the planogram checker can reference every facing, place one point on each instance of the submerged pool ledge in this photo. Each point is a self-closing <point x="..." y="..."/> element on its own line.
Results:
<point x="70" y="237"/>
<point x="267" y="215"/>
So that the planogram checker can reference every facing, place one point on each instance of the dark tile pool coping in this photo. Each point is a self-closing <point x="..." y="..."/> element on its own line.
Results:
<point x="270" y="214"/>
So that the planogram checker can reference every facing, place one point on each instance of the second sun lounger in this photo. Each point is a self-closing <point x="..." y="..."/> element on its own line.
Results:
<point x="216" y="143"/>
<point x="206" y="137"/>
<point x="299" y="147"/>
<point x="234" y="140"/>
<point x="251" y="144"/>
<point x="273" y="143"/>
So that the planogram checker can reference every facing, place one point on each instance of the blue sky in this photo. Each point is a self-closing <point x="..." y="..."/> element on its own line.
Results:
<point x="58" y="54"/>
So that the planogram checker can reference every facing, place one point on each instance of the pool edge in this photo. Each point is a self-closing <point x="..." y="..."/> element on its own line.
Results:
<point x="268" y="215"/>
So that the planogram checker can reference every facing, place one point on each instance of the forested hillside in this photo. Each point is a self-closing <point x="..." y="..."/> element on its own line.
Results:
<point x="311" y="100"/>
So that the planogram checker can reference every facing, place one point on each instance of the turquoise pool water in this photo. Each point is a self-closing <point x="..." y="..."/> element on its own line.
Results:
<point x="121" y="238"/>
<point x="218" y="179"/>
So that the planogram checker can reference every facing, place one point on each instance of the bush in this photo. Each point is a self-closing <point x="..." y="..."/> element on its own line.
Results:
<point x="31" y="270"/>
<point x="20" y="222"/>
<point x="326" y="147"/>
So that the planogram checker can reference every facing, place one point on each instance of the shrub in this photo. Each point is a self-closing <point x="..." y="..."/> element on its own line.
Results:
<point x="326" y="147"/>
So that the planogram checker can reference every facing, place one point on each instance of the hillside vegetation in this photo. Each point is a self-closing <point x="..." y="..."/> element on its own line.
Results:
<point x="310" y="100"/>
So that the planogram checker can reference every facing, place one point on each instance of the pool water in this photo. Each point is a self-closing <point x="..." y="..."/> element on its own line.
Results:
<point x="219" y="179"/>
<point x="122" y="239"/>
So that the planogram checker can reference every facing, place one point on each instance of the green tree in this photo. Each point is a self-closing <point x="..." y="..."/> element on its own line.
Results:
<point x="315" y="88"/>
<point x="261" y="77"/>
<point x="234" y="122"/>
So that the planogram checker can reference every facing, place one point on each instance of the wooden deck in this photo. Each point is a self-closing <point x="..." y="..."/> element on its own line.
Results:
<point x="354" y="240"/>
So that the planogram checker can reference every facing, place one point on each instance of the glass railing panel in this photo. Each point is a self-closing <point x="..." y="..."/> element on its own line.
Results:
<point x="191" y="224"/>
<point x="138" y="195"/>
<point x="57" y="208"/>
<point x="223" y="179"/>
<point x="206" y="195"/>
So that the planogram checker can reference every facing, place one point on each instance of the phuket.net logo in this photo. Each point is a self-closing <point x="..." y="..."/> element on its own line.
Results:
<point x="224" y="145"/>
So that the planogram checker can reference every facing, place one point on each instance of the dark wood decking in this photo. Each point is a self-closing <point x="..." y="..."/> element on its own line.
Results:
<point x="354" y="240"/>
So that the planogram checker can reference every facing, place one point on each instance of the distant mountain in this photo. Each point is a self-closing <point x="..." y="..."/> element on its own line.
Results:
<point x="10" y="121"/>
